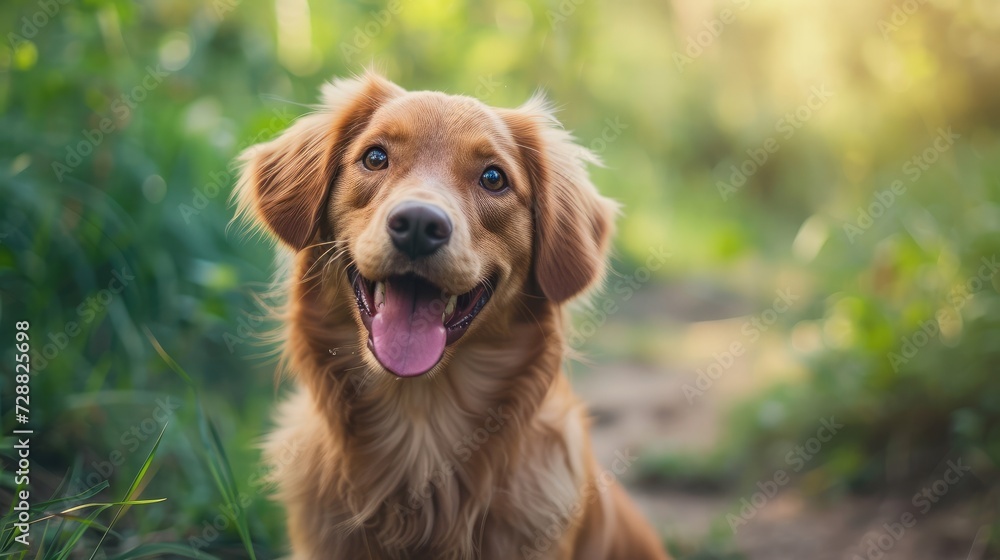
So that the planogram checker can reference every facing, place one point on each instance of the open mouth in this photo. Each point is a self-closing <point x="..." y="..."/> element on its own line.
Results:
<point x="410" y="320"/>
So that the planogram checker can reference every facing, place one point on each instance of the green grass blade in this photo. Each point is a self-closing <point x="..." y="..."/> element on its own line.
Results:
<point x="134" y="486"/>
<point x="218" y="461"/>
<point x="75" y="537"/>
<point x="171" y="363"/>
<point x="65" y="513"/>
<point x="222" y="472"/>
<point x="88" y="493"/>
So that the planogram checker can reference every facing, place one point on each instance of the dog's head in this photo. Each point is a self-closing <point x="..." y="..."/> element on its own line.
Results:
<point x="443" y="211"/>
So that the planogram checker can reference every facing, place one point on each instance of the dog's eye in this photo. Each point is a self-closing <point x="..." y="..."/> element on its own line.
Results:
<point x="493" y="180"/>
<point x="375" y="159"/>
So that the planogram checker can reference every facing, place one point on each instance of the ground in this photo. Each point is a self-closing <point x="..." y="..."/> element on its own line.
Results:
<point x="633" y="377"/>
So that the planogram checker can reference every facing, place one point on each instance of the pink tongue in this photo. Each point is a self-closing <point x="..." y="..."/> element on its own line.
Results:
<point x="408" y="333"/>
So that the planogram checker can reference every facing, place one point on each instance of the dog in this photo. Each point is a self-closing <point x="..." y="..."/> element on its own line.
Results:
<point x="432" y="243"/>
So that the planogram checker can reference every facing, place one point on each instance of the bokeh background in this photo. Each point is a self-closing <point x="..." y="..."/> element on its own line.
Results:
<point x="798" y="351"/>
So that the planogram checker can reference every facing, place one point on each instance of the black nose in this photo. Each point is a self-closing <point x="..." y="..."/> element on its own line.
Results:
<point x="418" y="229"/>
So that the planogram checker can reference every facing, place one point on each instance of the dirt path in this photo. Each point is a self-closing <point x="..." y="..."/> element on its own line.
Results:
<point x="640" y="408"/>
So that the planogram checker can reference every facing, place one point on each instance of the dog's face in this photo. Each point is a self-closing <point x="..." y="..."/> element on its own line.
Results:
<point x="443" y="212"/>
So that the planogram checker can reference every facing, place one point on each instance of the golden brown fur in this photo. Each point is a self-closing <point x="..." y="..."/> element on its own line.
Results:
<point x="486" y="455"/>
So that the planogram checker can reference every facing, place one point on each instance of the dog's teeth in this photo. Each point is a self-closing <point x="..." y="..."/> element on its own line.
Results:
<point x="450" y="308"/>
<point x="379" y="295"/>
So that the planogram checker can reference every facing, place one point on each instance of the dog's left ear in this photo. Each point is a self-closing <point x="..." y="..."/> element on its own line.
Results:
<point x="573" y="222"/>
<point x="285" y="182"/>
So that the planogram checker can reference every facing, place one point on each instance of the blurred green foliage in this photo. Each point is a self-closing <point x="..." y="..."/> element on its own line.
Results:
<point x="120" y="121"/>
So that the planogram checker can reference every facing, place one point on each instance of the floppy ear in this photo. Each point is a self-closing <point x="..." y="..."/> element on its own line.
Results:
<point x="573" y="222"/>
<point x="285" y="183"/>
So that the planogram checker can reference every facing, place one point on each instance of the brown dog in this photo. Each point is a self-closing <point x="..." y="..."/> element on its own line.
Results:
<point x="434" y="240"/>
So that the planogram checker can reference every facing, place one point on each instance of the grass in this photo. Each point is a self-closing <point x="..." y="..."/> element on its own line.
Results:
<point x="81" y="517"/>
<point x="64" y="531"/>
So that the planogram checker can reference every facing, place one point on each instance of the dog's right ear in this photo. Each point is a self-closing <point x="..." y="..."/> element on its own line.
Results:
<point x="284" y="183"/>
<point x="573" y="223"/>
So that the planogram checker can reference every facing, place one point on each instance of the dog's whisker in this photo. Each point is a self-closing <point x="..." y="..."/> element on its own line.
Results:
<point x="317" y="261"/>
<point x="320" y="244"/>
